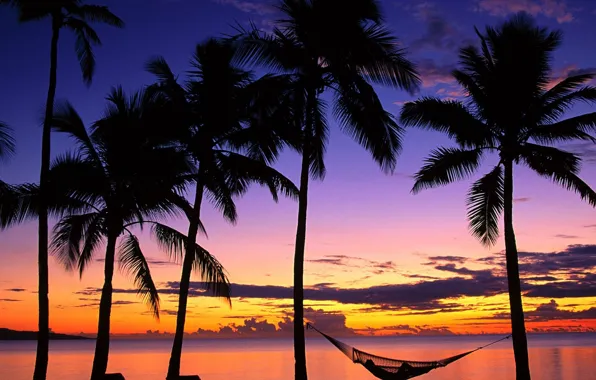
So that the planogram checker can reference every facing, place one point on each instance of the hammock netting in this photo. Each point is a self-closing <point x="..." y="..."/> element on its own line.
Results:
<point x="392" y="369"/>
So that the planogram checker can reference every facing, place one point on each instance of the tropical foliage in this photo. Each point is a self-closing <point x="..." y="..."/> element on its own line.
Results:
<point x="224" y="122"/>
<point x="76" y="16"/>
<point x="345" y="58"/>
<point x="514" y="110"/>
<point x="128" y="177"/>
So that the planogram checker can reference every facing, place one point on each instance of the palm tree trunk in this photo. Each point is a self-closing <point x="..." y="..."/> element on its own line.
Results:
<point x="518" y="329"/>
<point x="102" y="345"/>
<point x="43" y="335"/>
<point x="193" y="229"/>
<point x="299" y="340"/>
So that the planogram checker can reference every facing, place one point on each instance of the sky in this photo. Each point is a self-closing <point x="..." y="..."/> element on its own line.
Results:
<point x="379" y="260"/>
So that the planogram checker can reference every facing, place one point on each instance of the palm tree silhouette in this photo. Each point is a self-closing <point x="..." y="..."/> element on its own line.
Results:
<point x="511" y="110"/>
<point x="344" y="57"/>
<point x="74" y="15"/>
<point x="221" y="113"/>
<point x="128" y="177"/>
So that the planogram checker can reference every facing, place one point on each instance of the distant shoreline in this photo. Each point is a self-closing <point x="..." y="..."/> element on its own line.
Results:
<point x="8" y="334"/>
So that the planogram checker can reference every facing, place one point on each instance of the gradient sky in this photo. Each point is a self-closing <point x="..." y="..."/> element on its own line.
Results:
<point x="379" y="260"/>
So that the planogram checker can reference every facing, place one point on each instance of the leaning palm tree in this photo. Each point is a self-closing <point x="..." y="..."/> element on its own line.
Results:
<point x="345" y="57"/>
<point x="128" y="177"/>
<point x="221" y="115"/>
<point x="510" y="110"/>
<point x="74" y="15"/>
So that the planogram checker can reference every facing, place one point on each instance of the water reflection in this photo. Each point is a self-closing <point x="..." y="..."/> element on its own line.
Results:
<point x="273" y="360"/>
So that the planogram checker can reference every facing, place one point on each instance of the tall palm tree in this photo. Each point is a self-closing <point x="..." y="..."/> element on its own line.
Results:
<point x="128" y="177"/>
<point x="345" y="57"/>
<point x="221" y="115"/>
<point x="510" y="110"/>
<point x="74" y="15"/>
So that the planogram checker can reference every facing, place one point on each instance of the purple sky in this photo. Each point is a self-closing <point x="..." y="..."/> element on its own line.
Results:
<point x="357" y="211"/>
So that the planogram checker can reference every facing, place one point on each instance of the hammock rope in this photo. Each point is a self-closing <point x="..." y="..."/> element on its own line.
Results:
<point x="393" y="369"/>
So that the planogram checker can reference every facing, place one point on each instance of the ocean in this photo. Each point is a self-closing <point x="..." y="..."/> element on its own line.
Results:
<point x="552" y="357"/>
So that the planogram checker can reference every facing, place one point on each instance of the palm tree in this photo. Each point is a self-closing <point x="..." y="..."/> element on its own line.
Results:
<point x="345" y="57"/>
<point x="510" y="110"/>
<point x="221" y="113"/>
<point x="74" y="15"/>
<point x="127" y="177"/>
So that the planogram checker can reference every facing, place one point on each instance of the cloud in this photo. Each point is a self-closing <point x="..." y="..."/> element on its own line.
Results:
<point x="433" y="74"/>
<point x="377" y="267"/>
<point x="566" y="273"/>
<point x="258" y="7"/>
<point x="330" y="322"/>
<point x="590" y="226"/>
<point x="452" y="259"/>
<point x="563" y="236"/>
<point x="586" y="150"/>
<point x="16" y="290"/>
<point x="556" y="9"/>
<point x="550" y="312"/>
<point x="521" y="199"/>
<point x="570" y="70"/>
<point x="9" y="300"/>
<point x="439" y="34"/>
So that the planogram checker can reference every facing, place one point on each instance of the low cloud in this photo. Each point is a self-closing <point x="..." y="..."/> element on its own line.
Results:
<point x="555" y="9"/>
<point x="439" y="34"/>
<point x="9" y="300"/>
<point x="433" y="74"/>
<point x="16" y="290"/>
<point x="376" y="267"/>
<point x="564" y="236"/>
<point x="550" y="312"/>
<point x="257" y="7"/>
<point x="521" y="199"/>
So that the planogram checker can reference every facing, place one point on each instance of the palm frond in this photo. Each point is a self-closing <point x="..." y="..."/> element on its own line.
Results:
<point x="85" y="36"/>
<point x="78" y="178"/>
<point x="552" y="110"/>
<point x="546" y="159"/>
<point x="68" y="234"/>
<point x="67" y="120"/>
<point x="361" y="115"/>
<point x="218" y="191"/>
<point x="277" y="51"/>
<point x="97" y="13"/>
<point x="317" y="136"/>
<point x="133" y="262"/>
<point x="159" y="67"/>
<point x="446" y="165"/>
<point x="242" y="170"/>
<point x="377" y="54"/>
<point x="485" y="204"/>
<point x="93" y="237"/>
<point x="559" y="166"/>
<point x="449" y="117"/>
<point x="567" y="86"/>
<point x="574" y="128"/>
<point x="206" y="265"/>
<point x="7" y="142"/>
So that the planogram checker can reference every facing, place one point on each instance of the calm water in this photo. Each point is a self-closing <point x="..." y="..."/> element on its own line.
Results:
<point x="552" y="357"/>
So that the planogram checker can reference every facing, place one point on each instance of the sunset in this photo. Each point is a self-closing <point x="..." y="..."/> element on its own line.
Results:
<point x="421" y="210"/>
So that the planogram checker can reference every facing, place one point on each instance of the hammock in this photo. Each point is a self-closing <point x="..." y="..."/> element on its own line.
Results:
<point x="393" y="369"/>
